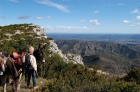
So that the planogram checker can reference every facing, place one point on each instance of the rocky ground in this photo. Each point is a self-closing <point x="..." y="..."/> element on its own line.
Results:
<point x="23" y="88"/>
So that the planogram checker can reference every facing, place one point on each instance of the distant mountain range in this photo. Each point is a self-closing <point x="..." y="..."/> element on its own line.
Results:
<point x="116" y="54"/>
<point x="120" y="38"/>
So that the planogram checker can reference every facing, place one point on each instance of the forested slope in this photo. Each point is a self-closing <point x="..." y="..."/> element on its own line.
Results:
<point x="116" y="58"/>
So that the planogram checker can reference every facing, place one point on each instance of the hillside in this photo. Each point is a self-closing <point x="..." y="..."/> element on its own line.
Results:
<point x="16" y="37"/>
<point x="116" y="58"/>
<point x="65" y="72"/>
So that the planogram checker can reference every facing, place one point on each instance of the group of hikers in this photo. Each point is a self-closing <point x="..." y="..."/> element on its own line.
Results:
<point x="25" y="63"/>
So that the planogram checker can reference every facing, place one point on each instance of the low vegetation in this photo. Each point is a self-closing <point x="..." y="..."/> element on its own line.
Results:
<point x="63" y="77"/>
<point x="59" y="76"/>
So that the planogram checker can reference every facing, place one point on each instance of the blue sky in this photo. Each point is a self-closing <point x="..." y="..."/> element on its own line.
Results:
<point x="74" y="16"/>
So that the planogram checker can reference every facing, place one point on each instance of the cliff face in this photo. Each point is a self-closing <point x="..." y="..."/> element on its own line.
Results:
<point x="75" y="58"/>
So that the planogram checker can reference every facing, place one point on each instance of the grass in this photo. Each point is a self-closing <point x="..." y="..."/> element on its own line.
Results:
<point x="40" y="81"/>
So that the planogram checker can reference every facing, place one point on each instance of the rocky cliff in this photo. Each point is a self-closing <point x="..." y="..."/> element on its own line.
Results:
<point x="75" y="58"/>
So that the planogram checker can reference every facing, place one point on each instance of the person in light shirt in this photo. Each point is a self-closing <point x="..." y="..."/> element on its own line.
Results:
<point x="32" y="67"/>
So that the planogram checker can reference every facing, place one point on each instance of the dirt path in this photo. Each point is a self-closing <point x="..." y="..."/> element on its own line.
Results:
<point x="23" y="88"/>
<point x="40" y="81"/>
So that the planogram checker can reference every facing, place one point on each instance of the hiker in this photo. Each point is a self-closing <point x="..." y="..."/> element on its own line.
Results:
<point x="31" y="67"/>
<point x="2" y="67"/>
<point x="3" y="55"/>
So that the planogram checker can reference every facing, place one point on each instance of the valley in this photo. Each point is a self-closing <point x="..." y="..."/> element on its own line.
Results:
<point x="118" y="55"/>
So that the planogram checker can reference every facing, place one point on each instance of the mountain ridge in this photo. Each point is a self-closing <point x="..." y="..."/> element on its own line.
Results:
<point x="121" y="57"/>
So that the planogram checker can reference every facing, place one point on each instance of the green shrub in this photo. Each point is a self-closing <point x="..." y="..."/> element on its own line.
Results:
<point x="133" y="76"/>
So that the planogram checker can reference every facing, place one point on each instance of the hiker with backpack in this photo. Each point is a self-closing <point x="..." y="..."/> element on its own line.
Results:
<point x="3" y="54"/>
<point x="30" y="66"/>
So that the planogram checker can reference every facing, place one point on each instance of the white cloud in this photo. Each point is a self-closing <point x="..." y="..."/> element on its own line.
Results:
<point x="48" y="28"/>
<point x="58" y="6"/>
<point x="97" y="11"/>
<point x="120" y="4"/>
<point x="70" y="28"/>
<point x="126" y="21"/>
<point x="23" y="17"/>
<point x="14" y="0"/>
<point x="39" y="18"/>
<point x="82" y="20"/>
<point x="48" y="17"/>
<point x="138" y="17"/>
<point x="135" y="11"/>
<point x="135" y="24"/>
<point x="95" y="22"/>
<point x="2" y="17"/>
<point x="65" y="28"/>
<point x="132" y="25"/>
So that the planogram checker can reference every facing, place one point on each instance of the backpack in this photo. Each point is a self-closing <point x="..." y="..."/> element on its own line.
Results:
<point x="3" y="53"/>
<point x="27" y="61"/>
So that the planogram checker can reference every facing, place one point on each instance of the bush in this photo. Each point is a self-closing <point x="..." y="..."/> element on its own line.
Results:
<point x="133" y="76"/>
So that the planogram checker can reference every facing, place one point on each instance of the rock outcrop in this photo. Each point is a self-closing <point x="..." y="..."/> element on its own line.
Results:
<point x="67" y="57"/>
